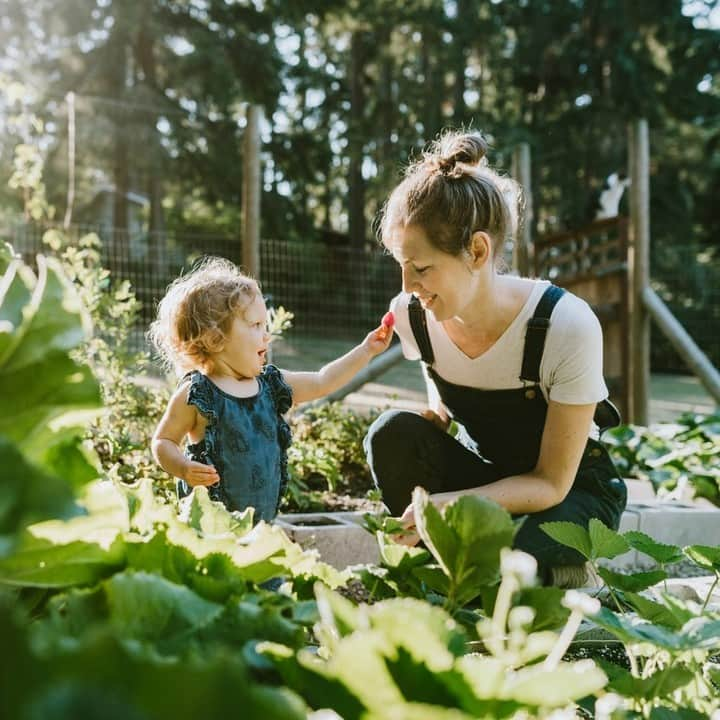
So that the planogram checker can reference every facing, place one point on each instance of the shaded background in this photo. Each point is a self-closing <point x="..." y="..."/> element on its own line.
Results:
<point x="351" y="91"/>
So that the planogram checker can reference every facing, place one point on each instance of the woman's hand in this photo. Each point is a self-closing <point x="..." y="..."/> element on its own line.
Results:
<point x="437" y="420"/>
<point x="410" y="537"/>
<point x="195" y="473"/>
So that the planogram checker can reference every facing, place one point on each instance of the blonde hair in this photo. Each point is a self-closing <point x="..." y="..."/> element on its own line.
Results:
<point x="197" y="312"/>
<point x="451" y="192"/>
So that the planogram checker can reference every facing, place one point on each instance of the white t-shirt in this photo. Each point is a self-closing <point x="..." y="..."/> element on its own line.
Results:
<point x="571" y="365"/>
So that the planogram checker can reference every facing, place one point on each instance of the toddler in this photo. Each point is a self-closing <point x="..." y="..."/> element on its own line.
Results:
<point x="211" y="329"/>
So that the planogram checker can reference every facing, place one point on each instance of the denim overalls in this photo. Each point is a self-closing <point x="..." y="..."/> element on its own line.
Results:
<point x="505" y="428"/>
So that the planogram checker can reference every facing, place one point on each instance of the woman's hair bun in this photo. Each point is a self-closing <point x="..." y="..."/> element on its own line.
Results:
<point x="457" y="148"/>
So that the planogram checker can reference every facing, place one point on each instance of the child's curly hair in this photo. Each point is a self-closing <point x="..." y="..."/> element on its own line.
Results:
<point x="197" y="312"/>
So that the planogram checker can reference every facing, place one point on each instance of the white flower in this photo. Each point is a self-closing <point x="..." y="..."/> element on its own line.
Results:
<point x="519" y="564"/>
<point x="520" y="617"/>
<point x="577" y="601"/>
<point x="606" y="705"/>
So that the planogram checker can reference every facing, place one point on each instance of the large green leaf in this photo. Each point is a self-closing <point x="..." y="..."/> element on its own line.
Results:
<point x="29" y="493"/>
<point x="57" y="566"/>
<point x="659" y="552"/>
<point x="147" y="607"/>
<point x="570" y="534"/>
<point x="53" y="320"/>
<point x="465" y="539"/>
<point x="632" y="582"/>
<point x="699" y="633"/>
<point x="606" y="543"/>
<point x="38" y="379"/>
<point x="15" y="293"/>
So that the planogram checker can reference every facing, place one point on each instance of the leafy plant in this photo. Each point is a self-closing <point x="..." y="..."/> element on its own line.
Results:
<point x="403" y="658"/>
<point x="670" y="643"/>
<point x="327" y="455"/>
<point x="47" y="396"/>
<point x="679" y="459"/>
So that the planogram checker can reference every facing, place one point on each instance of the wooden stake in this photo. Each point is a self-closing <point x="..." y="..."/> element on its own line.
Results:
<point x="252" y="189"/>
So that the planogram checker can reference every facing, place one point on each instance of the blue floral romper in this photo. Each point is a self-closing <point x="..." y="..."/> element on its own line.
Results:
<point x="246" y="440"/>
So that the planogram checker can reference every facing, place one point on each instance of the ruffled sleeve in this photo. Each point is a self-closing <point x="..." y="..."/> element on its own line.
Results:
<point x="281" y="391"/>
<point x="200" y="394"/>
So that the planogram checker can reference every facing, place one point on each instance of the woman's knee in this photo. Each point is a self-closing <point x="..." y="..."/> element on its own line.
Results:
<point x="392" y="453"/>
<point x="394" y="432"/>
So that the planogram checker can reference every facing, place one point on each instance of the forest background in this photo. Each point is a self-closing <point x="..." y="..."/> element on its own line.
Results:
<point x="351" y="91"/>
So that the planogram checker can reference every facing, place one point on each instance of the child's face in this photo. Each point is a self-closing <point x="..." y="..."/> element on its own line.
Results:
<point x="244" y="353"/>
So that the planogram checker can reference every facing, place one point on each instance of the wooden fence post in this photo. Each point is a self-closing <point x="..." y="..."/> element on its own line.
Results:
<point x="522" y="249"/>
<point x="252" y="188"/>
<point x="639" y="269"/>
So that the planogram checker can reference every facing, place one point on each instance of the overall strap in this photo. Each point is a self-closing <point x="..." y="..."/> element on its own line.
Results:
<point x="536" y="331"/>
<point x="418" y="324"/>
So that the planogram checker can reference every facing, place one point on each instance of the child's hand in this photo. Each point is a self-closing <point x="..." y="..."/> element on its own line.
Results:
<point x="379" y="339"/>
<point x="196" y="473"/>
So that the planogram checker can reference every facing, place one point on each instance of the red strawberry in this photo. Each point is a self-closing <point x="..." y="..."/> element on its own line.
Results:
<point x="388" y="319"/>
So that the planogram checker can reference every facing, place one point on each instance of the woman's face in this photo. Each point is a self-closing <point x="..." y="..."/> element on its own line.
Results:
<point x="443" y="283"/>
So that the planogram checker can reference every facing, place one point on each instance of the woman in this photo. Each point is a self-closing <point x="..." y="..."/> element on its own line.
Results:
<point x="516" y="362"/>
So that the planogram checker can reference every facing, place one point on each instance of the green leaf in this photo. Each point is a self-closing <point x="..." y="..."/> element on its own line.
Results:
<point x="704" y="556"/>
<point x="550" y="613"/>
<point x="39" y="380"/>
<point x="400" y="557"/>
<point x="606" y="543"/>
<point x="698" y="633"/>
<point x="570" y="534"/>
<point x="148" y="607"/>
<point x="434" y="531"/>
<point x="338" y="616"/>
<point x="465" y="539"/>
<point x="535" y="686"/>
<point x="15" y="294"/>
<point x="29" y="493"/>
<point x="314" y="680"/>
<point x="242" y="621"/>
<point x="213" y="518"/>
<point x="652" y="611"/>
<point x="659" y="552"/>
<point x="661" y="684"/>
<point x="633" y="582"/>
<point x="78" y="563"/>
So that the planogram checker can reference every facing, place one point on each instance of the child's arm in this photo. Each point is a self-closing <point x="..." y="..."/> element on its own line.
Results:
<point x="178" y="421"/>
<point x="311" y="385"/>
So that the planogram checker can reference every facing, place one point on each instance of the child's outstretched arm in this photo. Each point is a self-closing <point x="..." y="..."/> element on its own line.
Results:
<point x="179" y="420"/>
<point x="312" y="385"/>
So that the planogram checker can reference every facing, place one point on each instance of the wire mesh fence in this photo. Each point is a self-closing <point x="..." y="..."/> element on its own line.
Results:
<point x="340" y="292"/>
<point x="334" y="291"/>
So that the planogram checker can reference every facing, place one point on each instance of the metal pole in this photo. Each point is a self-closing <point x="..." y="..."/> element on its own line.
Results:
<point x="686" y="347"/>
<point x="252" y="189"/>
